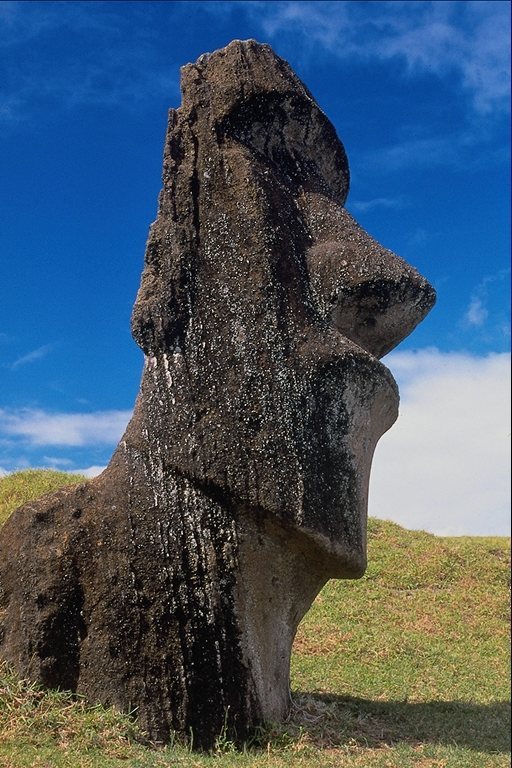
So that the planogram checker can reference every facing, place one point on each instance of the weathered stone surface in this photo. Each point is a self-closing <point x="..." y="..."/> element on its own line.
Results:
<point x="175" y="581"/>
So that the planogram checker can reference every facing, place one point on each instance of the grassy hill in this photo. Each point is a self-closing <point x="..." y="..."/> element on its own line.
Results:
<point x="407" y="667"/>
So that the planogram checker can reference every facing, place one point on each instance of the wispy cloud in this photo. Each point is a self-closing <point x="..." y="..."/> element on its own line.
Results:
<point x="55" y="461"/>
<point x="363" y="206"/>
<point x="41" y="428"/>
<point x="103" y="55"/>
<point x="92" y="471"/>
<point x="21" y="24"/>
<point x="476" y="314"/>
<point x="424" y="152"/>
<point x="464" y="46"/>
<point x="468" y="40"/>
<point x="33" y="356"/>
<point x="481" y="313"/>
<point x="460" y="150"/>
<point x="418" y="238"/>
<point x="445" y="465"/>
<point x="120" y="58"/>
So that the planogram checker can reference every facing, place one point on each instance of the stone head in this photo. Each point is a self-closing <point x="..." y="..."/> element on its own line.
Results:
<point x="264" y="308"/>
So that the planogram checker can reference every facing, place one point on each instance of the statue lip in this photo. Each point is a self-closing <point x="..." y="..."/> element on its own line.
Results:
<point x="335" y="350"/>
<point x="389" y="379"/>
<point x="382" y="369"/>
<point x="379" y="400"/>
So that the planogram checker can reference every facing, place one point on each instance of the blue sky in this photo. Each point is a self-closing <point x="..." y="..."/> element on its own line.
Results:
<point x="419" y="93"/>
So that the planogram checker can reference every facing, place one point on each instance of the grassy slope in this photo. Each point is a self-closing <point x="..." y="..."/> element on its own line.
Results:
<point x="406" y="667"/>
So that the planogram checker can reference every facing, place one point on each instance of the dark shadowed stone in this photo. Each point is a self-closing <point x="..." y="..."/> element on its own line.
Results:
<point x="174" y="582"/>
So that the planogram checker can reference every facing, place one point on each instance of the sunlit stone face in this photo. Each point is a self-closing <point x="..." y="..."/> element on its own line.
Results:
<point x="263" y="307"/>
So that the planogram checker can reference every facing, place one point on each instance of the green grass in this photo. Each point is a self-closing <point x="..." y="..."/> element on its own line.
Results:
<point x="20" y="487"/>
<point x="405" y="668"/>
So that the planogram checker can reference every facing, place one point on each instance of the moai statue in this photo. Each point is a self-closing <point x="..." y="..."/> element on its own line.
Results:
<point x="174" y="582"/>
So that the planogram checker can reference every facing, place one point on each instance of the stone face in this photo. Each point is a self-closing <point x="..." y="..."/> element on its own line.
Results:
<point x="175" y="581"/>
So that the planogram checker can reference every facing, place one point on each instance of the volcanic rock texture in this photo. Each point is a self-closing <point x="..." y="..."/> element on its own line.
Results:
<point x="174" y="582"/>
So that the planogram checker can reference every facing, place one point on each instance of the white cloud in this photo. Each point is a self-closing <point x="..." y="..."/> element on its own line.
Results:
<point x="93" y="471"/>
<point x="444" y="466"/>
<point x="54" y="461"/>
<point x="32" y="357"/>
<point x="476" y="314"/>
<point x="486" y="313"/>
<point x="486" y="67"/>
<point x="327" y="21"/>
<point x="467" y="39"/>
<point x="40" y="428"/>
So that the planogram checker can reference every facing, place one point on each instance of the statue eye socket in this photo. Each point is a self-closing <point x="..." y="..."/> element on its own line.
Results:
<point x="294" y="138"/>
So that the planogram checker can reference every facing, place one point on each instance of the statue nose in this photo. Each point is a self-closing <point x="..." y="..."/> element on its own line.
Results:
<point x="365" y="291"/>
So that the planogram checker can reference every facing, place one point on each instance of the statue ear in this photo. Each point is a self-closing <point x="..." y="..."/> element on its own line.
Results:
<point x="287" y="131"/>
<point x="163" y="307"/>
